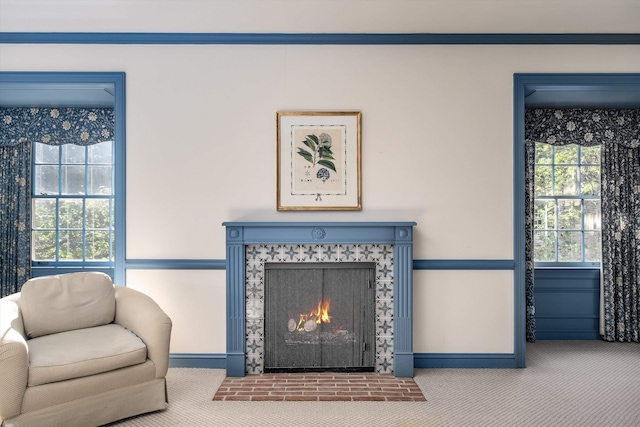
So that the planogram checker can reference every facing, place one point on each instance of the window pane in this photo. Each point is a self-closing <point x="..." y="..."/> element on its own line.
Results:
<point x="590" y="155"/>
<point x="543" y="153"/>
<point x="570" y="182"/>
<point x="98" y="214"/>
<point x="101" y="153"/>
<point x="97" y="245"/>
<point x="44" y="245"/>
<point x="73" y="179"/>
<point x="70" y="245"/>
<point x="70" y="213"/>
<point x="592" y="245"/>
<point x="544" y="218"/>
<point x="99" y="179"/>
<point x="544" y="245"/>
<point x="44" y="213"/>
<point x="566" y="181"/>
<point x="47" y="153"/>
<point x="567" y="154"/>
<point x="592" y="215"/>
<point x="46" y="180"/>
<point x="73" y="153"/>
<point x="570" y="246"/>
<point x="590" y="180"/>
<point x="67" y="174"/>
<point x="543" y="181"/>
<point x="569" y="212"/>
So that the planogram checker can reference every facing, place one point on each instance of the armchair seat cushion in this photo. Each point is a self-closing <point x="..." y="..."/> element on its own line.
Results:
<point x="83" y="352"/>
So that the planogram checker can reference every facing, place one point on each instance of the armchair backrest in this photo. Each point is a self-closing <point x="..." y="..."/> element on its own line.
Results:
<point x="67" y="302"/>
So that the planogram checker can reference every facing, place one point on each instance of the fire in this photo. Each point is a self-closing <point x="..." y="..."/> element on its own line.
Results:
<point x="318" y="315"/>
<point x="321" y="313"/>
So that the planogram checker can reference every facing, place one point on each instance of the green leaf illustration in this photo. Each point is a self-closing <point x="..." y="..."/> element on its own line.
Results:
<point x="310" y="143"/>
<point x="328" y="164"/>
<point x="307" y="155"/>
<point x="325" y="153"/>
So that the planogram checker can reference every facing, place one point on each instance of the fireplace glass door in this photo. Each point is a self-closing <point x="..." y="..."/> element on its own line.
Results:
<point x="319" y="317"/>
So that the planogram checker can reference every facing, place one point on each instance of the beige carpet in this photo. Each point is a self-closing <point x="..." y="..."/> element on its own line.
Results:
<point x="566" y="383"/>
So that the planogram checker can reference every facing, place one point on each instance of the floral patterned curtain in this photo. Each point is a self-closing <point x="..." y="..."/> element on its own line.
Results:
<point x="19" y="128"/>
<point x="618" y="133"/>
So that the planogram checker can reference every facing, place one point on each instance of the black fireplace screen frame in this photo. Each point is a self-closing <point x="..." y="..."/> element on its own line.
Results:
<point x="347" y="344"/>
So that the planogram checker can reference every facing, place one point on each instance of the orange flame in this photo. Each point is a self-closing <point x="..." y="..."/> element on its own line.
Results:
<point x="321" y="313"/>
<point x="318" y="315"/>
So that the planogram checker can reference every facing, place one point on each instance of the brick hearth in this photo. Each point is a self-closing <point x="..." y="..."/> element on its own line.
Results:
<point x="320" y="387"/>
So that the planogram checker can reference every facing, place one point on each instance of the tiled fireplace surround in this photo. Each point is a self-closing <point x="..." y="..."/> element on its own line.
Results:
<point x="388" y="244"/>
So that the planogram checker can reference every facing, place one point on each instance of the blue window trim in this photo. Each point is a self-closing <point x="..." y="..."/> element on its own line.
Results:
<point x="118" y="80"/>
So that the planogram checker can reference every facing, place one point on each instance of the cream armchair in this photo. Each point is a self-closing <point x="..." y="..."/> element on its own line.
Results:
<point x="75" y="350"/>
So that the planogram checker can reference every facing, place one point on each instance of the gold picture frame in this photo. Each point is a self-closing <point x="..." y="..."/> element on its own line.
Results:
<point x="318" y="161"/>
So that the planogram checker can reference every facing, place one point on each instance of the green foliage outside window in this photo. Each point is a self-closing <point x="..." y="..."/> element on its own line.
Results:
<point x="567" y="204"/>
<point x="73" y="203"/>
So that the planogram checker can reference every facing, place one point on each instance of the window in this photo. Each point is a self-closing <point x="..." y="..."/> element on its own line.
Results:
<point x="567" y="205"/>
<point x="73" y="205"/>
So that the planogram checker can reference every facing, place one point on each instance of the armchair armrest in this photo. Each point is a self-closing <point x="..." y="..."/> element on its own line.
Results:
<point x="14" y="357"/>
<point x="141" y="315"/>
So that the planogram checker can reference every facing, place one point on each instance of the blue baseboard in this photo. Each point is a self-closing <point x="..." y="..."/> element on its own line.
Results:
<point x="420" y="360"/>
<point x="567" y="335"/>
<point x="464" y="360"/>
<point x="198" y="360"/>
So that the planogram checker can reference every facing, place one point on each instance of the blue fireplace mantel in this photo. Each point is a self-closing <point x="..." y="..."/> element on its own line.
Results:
<point x="398" y="234"/>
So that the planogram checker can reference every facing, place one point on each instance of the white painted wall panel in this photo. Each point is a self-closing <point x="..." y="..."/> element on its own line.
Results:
<point x="463" y="312"/>
<point x="195" y="302"/>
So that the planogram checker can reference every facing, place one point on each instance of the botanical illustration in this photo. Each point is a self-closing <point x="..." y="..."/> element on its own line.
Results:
<point x="318" y="160"/>
<point x="320" y="154"/>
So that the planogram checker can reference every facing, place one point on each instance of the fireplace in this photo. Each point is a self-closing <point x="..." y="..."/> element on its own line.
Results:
<point x="256" y="249"/>
<point x="319" y="317"/>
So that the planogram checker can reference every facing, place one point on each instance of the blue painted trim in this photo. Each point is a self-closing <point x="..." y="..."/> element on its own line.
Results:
<point x="465" y="360"/>
<point x="418" y="264"/>
<point x="564" y="290"/>
<point x="320" y="38"/>
<point x="420" y="360"/>
<point x="562" y="336"/>
<point x="330" y="232"/>
<point x="519" y="282"/>
<point x="197" y="360"/>
<point x="175" y="264"/>
<point x="568" y="273"/>
<point x="118" y="80"/>
<point x="463" y="264"/>
<point x="120" y="182"/>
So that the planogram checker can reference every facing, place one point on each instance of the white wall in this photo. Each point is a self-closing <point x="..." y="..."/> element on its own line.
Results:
<point x="436" y="149"/>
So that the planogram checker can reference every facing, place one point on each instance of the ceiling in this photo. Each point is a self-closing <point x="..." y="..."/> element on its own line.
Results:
<point x="56" y="95"/>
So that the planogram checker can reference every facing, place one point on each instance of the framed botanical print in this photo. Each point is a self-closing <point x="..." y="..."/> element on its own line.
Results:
<point x="318" y="161"/>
